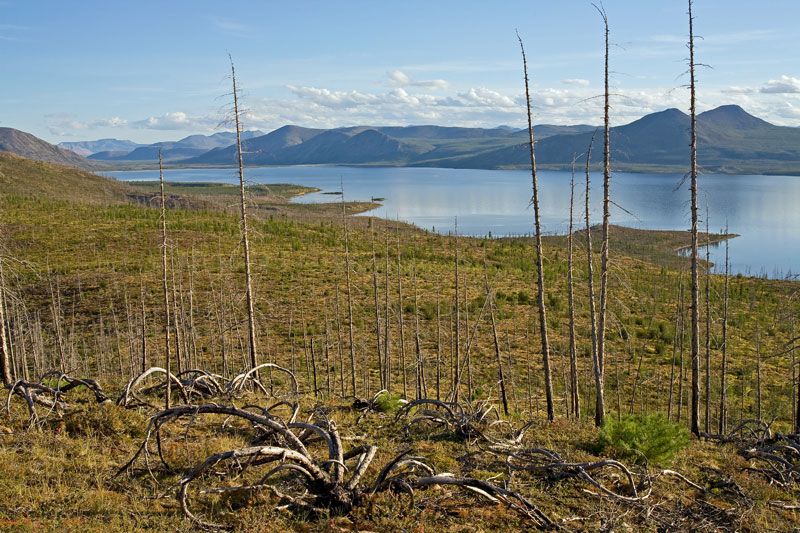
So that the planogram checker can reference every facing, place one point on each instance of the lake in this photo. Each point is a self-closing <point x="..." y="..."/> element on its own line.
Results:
<point x="763" y="210"/>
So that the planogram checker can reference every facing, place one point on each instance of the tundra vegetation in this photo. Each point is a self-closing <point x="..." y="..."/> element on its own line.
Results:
<point x="180" y="356"/>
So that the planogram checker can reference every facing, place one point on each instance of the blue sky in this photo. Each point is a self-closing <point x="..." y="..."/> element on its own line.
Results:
<point x="154" y="70"/>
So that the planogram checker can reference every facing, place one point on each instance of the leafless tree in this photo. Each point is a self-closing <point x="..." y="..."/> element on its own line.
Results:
<point x="5" y="353"/>
<point x="599" y="385"/>
<point x="575" y="405"/>
<point x="695" y="406"/>
<point x="165" y="287"/>
<point x="251" y="319"/>
<point x="548" y="380"/>
<point x="604" y="250"/>
<point x="723" y="392"/>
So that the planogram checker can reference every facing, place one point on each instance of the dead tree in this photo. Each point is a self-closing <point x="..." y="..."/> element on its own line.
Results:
<point x="143" y="331"/>
<point x="723" y="393"/>
<point x="5" y="354"/>
<point x="387" y="332"/>
<point x="548" y="380"/>
<point x="400" y="318"/>
<point x="251" y="319"/>
<point x="599" y="385"/>
<point x="168" y="397"/>
<point x="604" y="250"/>
<point x="378" y="345"/>
<point x="349" y="295"/>
<point x="500" y="376"/>
<point x="421" y="385"/>
<point x="573" y="352"/>
<point x="695" y="414"/>
<point x="456" y="326"/>
<point x="708" y="328"/>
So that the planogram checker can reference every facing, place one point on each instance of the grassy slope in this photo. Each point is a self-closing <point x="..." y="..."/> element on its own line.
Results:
<point x="100" y="249"/>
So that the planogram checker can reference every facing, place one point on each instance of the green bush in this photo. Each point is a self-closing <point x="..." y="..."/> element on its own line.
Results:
<point x="644" y="437"/>
<point x="387" y="402"/>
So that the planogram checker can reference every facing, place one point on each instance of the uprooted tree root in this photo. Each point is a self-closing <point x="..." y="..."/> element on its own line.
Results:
<point x="774" y="456"/>
<point x="265" y="426"/>
<point x="49" y="392"/>
<point x="197" y="385"/>
<point x="298" y="480"/>
<point x="550" y="464"/>
<point x="466" y="422"/>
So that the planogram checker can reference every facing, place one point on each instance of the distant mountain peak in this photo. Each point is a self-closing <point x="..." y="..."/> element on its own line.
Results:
<point x="27" y="145"/>
<point x="731" y="116"/>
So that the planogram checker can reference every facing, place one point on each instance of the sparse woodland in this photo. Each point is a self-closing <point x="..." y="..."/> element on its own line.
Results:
<point x="215" y="357"/>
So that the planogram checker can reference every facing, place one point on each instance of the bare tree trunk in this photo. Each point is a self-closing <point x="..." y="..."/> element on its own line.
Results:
<point x="327" y="354"/>
<point x="498" y="358"/>
<point x="378" y="344"/>
<point x="573" y="351"/>
<point x="422" y="389"/>
<point x="251" y="319"/>
<point x="457" y="325"/>
<point x="400" y="318"/>
<point x="438" y="345"/>
<point x="604" y="255"/>
<point x="349" y="298"/>
<point x="759" y="411"/>
<point x="675" y="342"/>
<point x="387" y="364"/>
<point x="548" y="380"/>
<point x="314" y="367"/>
<point x="339" y="352"/>
<point x="177" y="318"/>
<point x="165" y="287"/>
<point x="723" y="392"/>
<point x="144" y="331"/>
<point x="5" y="354"/>
<point x="599" y="385"/>
<point x="708" y="328"/>
<point x="695" y="415"/>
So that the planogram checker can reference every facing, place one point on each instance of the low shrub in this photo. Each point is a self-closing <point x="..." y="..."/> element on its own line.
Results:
<point x="387" y="402"/>
<point x="650" y="438"/>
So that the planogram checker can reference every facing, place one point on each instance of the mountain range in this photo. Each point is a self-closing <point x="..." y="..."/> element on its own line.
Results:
<point x="29" y="146"/>
<point x="185" y="148"/>
<point x="730" y="141"/>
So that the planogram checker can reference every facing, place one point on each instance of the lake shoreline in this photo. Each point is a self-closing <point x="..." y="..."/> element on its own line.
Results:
<point x="496" y="204"/>
<point x="561" y="167"/>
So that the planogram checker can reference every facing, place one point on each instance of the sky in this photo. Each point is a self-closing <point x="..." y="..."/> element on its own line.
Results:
<point x="152" y="70"/>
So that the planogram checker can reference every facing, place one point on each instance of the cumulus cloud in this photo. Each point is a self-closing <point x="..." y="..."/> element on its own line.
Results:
<point x="579" y="82"/>
<point x="176" y="121"/>
<point x="738" y="90"/>
<point x="567" y="103"/>
<point x="398" y="78"/>
<point x="113" y="122"/>
<point x="783" y="85"/>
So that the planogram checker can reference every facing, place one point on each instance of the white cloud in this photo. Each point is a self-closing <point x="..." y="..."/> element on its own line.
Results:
<point x="576" y="81"/>
<point x="113" y="122"/>
<point x="176" y="121"/>
<point x="783" y="85"/>
<point x="738" y="90"/>
<point x="398" y="78"/>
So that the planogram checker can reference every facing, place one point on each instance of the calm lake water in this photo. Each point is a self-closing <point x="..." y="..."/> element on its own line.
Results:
<point x="763" y="210"/>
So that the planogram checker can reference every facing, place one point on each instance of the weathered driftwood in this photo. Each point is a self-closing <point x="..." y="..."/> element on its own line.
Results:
<point x="238" y="384"/>
<point x="132" y="394"/>
<point x="320" y="487"/>
<point x="264" y="425"/>
<point x="51" y="397"/>
<point x="195" y="385"/>
<point x="466" y="422"/>
<point x="544" y="462"/>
